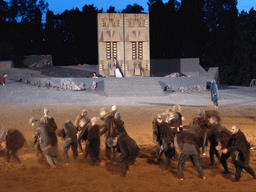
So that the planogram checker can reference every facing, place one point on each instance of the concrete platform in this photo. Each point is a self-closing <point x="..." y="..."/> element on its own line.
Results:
<point x="23" y="94"/>
<point x="113" y="87"/>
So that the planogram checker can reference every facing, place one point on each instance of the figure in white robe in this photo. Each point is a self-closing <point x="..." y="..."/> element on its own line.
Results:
<point x="117" y="69"/>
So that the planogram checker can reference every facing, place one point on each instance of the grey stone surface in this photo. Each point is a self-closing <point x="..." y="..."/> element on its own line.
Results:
<point x="26" y="94"/>
<point x="140" y="86"/>
<point x="132" y="86"/>
<point x="194" y="92"/>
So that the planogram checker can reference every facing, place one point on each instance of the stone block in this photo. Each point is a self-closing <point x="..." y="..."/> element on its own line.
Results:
<point x="6" y="64"/>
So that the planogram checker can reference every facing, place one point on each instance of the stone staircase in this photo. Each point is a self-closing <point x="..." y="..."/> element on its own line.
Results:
<point x="132" y="86"/>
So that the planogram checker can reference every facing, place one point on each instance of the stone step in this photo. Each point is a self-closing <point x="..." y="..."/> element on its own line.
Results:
<point x="134" y="94"/>
<point x="132" y="87"/>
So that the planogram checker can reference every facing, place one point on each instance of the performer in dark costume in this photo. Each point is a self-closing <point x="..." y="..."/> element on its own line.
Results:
<point x="12" y="140"/>
<point x="239" y="143"/>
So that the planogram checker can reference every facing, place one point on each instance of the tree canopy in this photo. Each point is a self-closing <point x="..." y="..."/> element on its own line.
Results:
<point x="211" y="30"/>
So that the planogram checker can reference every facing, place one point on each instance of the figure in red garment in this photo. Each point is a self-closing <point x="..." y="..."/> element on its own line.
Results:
<point x="3" y="79"/>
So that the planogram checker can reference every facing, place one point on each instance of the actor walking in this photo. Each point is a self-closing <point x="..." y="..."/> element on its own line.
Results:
<point x="239" y="143"/>
<point x="93" y="141"/>
<point x="12" y="140"/>
<point x="215" y="93"/>
<point x="110" y="131"/>
<point x="129" y="152"/>
<point x="70" y="140"/>
<point x="82" y="123"/>
<point x="36" y="124"/>
<point x="47" y="139"/>
<point x="157" y="120"/>
<point x="218" y="135"/>
<point x="189" y="148"/>
<point x="214" y="131"/>
<point x="119" y="124"/>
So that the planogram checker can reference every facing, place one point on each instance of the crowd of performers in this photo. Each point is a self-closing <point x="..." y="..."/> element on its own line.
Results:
<point x="84" y="130"/>
<point x="169" y="135"/>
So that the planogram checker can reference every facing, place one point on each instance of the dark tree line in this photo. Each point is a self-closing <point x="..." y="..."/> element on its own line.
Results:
<point x="212" y="30"/>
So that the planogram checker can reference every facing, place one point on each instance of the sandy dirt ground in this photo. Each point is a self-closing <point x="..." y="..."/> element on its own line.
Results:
<point x="34" y="174"/>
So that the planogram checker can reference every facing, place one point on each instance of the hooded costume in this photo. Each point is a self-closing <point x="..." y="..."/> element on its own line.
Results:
<point x="214" y="93"/>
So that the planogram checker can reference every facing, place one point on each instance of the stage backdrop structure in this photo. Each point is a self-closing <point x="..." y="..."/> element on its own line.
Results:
<point x="126" y="37"/>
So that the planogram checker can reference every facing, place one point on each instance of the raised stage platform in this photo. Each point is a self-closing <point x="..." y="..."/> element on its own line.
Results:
<point x="130" y="86"/>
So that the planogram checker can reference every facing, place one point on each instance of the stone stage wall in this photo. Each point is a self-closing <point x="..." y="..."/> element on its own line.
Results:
<point x="133" y="86"/>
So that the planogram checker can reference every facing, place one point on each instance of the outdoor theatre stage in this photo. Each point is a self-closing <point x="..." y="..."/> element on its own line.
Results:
<point x="129" y="86"/>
